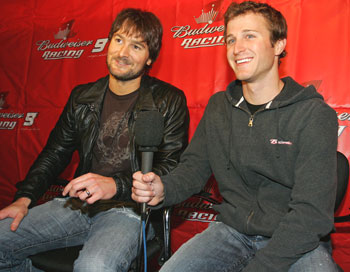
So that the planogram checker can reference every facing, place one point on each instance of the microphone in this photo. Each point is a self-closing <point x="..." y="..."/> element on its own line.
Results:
<point x="149" y="127"/>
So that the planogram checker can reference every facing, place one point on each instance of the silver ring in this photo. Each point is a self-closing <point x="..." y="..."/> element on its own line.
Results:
<point x="87" y="192"/>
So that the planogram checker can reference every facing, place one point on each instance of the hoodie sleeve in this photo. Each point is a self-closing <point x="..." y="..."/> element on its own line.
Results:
<point x="193" y="171"/>
<point x="311" y="208"/>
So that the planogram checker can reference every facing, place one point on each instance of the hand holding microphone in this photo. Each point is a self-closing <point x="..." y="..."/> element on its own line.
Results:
<point x="149" y="126"/>
<point x="147" y="188"/>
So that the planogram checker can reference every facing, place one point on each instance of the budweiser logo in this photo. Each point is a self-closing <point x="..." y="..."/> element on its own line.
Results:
<point x="196" y="216"/>
<point x="9" y="120"/>
<point x="65" y="31"/>
<point x="47" y="44"/>
<point x="64" y="48"/>
<point x="184" y="31"/>
<point x="187" y="33"/>
<point x="208" y="17"/>
<point x="50" y="54"/>
<point x="344" y="116"/>
<point x="3" y="103"/>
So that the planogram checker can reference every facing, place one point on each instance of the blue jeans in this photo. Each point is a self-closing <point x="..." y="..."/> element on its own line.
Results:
<point x="222" y="248"/>
<point x="110" y="238"/>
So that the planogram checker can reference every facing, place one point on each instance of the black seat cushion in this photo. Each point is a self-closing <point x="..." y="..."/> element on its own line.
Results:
<point x="57" y="260"/>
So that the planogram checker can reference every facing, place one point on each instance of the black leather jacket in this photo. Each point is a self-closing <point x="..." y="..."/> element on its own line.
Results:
<point x="78" y="128"/>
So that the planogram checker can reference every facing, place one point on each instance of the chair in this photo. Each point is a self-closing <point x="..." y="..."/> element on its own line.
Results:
<point x="343" y="179"/>
<point x="62" y="260"/>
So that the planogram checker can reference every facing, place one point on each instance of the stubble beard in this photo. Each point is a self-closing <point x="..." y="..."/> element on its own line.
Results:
<point x="129" y="75"/>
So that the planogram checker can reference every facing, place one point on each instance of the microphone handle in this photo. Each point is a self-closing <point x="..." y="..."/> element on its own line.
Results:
<point x="146" y="166"/>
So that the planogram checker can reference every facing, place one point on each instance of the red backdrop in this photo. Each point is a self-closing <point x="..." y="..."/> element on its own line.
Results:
<point x="48" y="47"/>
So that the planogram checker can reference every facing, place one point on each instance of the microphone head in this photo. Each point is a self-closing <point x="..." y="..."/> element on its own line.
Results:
<point x="149" y="127"/>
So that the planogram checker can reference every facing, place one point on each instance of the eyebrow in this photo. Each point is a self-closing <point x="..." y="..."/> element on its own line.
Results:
<point x="141" y="43"/>
<point x="249" y="30"/>
<point x="244" y="31"/>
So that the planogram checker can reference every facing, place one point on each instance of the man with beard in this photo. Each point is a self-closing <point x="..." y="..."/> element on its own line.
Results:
<point x="98" y="122"/>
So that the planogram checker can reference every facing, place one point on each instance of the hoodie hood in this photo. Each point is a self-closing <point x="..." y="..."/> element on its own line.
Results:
<point x="291" y="93"/>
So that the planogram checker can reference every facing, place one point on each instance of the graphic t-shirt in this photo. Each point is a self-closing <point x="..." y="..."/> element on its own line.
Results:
<point x="111" y="152"/>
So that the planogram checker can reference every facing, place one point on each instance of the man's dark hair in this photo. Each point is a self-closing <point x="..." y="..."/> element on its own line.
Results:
<point x="276" y="22"/>
<point x="143" y="23"/>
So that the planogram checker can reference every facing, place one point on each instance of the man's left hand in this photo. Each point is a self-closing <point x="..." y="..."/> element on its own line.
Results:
<point x="91" y="187"/>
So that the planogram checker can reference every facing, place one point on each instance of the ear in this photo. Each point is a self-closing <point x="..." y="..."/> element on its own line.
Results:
<point x="149" y="62"/>
<point x="280" y="45"/>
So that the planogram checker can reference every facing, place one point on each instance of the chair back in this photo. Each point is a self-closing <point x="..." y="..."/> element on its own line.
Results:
<point x="343" y="178"/>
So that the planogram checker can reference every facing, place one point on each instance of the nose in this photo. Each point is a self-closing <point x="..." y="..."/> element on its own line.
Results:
<point x="123" y="50"/>
<point x="238" y="47"/>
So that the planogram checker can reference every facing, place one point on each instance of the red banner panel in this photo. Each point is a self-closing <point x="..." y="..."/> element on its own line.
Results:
<point x="48" y="47"/>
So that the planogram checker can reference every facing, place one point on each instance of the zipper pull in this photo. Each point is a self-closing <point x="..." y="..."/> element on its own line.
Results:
<point x="250" y="123"/>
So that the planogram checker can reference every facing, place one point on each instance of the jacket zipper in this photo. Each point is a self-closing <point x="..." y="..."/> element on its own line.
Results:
<point x="250" y="122"/>
<point x="92" y="108"/>
<point x="251" y="118"/>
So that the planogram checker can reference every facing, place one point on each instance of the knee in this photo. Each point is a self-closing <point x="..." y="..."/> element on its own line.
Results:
<point x="177" y="264"/>
<point x="319" y="260"/>
<point x="88" y="264"/>
<point x="97" y="262"/>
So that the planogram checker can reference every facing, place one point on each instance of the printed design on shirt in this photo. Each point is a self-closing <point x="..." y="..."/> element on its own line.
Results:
<point x="109" y="139"/>
<point x="280" y="142"/>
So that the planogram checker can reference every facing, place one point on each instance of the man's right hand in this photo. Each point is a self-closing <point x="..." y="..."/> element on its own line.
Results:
<point x="147" y="188"/>
<point x="17" y="210"/>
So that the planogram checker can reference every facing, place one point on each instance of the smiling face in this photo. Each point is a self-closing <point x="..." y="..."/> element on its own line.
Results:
<point x="249" y="50"/>
<point x="127" y="56"/>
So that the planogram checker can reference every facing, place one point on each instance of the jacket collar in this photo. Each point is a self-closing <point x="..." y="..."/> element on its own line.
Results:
<point x="145" y="101"/>
<point x="94" y="95"/>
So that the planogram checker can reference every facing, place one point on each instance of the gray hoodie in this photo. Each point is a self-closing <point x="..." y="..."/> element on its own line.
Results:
<point x="276" y="169"/>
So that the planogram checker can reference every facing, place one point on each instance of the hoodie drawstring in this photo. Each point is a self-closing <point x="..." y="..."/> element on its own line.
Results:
<point x="278" y="148"/>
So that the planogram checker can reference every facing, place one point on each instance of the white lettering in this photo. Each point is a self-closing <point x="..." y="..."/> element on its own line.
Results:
<point x="29" y="120"/>
<point x="344" y="116"/>
<point x="11" y="115"/>
<point x="203" y="216"/>
<point x="192" y="215"/>
<point x="195" y="216"/>
<point x="67" y="54"/>
<point x="184" y="31"/>
<point x="45" y="45"/>
<point x="196" y="42"/>
<point x="341" y="130"/>
<point x="99" y="45"/>
<point x="202" y="42"/>
<point x="7" y="124"/>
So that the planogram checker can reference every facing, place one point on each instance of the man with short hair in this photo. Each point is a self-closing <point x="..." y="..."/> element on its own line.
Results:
<point x="271" y="145"/>
<point x="98" y="121"/>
